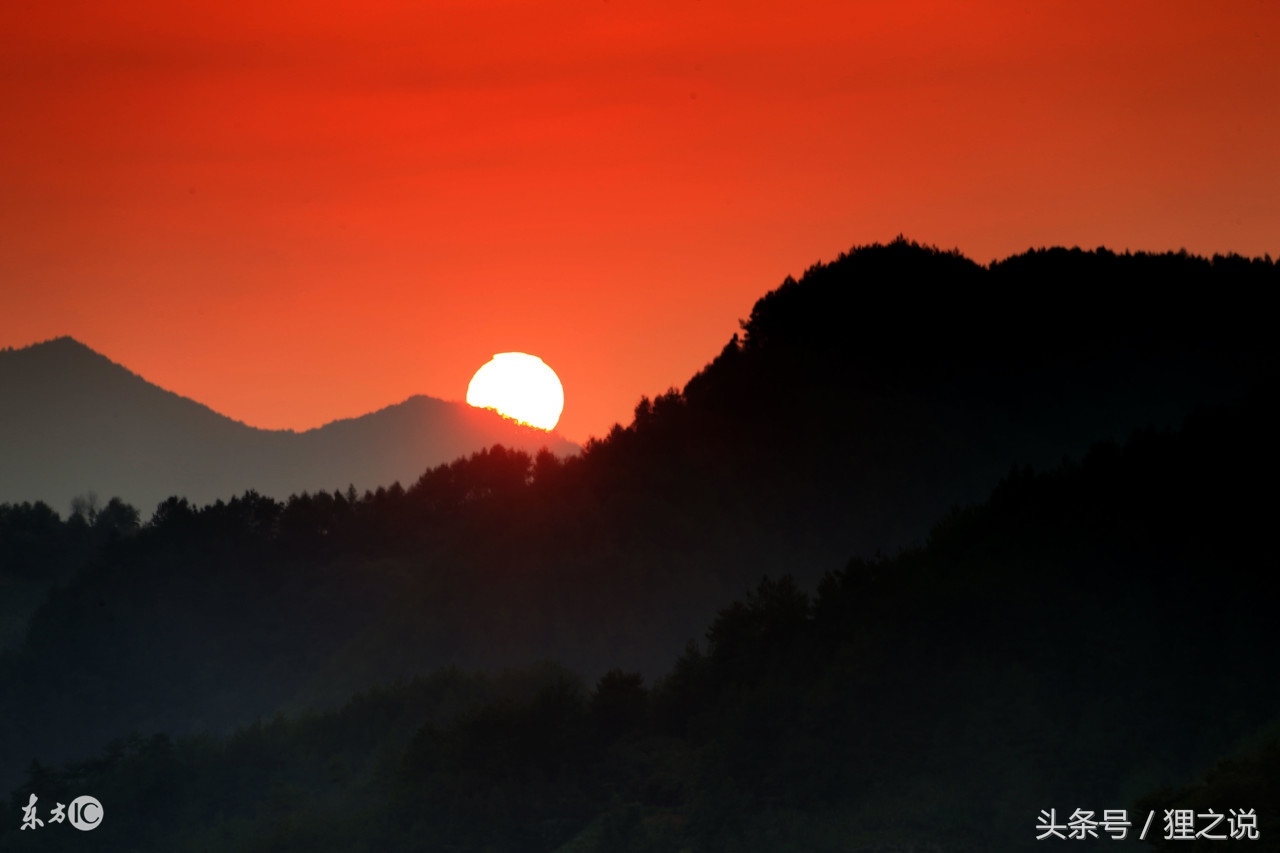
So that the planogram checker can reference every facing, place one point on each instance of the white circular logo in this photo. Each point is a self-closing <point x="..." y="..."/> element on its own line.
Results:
<point x="85" y="813"/>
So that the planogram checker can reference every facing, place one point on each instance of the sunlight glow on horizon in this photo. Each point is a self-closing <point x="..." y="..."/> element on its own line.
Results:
<point x="295" y="219"/>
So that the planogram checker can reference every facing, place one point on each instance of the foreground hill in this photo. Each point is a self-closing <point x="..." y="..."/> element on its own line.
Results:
<point x="858" y="407"/>
<point x="73" y="422"/>
<point x="1085" y="639"/>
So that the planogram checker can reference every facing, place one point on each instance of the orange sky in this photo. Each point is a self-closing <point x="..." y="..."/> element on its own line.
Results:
<point x="295" y="212"/>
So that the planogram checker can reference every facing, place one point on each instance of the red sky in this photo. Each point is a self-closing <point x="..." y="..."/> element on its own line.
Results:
<point x="295" y="212"/>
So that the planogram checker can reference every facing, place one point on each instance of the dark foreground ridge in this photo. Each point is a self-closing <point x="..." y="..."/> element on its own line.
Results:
<point x="856" y="409"/>
<point x="1081" y="639"/>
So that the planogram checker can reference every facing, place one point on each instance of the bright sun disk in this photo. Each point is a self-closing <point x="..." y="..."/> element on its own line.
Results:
<point x="520" y="386"/>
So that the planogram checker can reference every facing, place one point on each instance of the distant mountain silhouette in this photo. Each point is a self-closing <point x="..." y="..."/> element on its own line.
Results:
<point x="73" y="422"/>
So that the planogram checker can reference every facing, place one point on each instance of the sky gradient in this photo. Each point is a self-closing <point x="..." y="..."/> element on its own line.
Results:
<point x="295" y="212"/>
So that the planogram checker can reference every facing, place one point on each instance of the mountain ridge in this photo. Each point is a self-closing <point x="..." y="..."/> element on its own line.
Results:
<point x="74" y="421"/>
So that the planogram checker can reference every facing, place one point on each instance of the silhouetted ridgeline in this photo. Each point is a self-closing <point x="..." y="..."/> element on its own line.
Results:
<point x="1083" y="639"/>
<point x="858" y="407"/>
<point x="73" y="422"/>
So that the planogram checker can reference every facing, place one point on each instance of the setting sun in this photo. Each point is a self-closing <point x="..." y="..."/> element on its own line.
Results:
<point x="519" y="386"/>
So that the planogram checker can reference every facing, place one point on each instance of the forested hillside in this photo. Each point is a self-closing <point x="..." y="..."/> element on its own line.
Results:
<point x="1086" y="638"/>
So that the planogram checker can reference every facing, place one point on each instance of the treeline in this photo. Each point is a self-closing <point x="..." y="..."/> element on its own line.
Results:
<point x="894" y="349"/>
<point x="37" y="544"/>
<point x="1086" y="638"/>
<point x="39" y="550"/>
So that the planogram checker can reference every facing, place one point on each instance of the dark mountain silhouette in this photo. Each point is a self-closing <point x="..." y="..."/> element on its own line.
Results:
<point x="1083" y="639"/>
<point x="859" y="405"/>
<point x="73" y="422"/>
